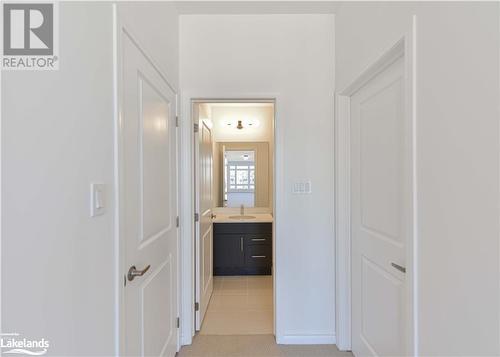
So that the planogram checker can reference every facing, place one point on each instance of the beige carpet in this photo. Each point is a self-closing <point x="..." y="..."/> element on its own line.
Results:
<point x="254" y="346"/>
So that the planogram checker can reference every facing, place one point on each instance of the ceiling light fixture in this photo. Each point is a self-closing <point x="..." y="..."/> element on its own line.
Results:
<point x="244" y="123"/>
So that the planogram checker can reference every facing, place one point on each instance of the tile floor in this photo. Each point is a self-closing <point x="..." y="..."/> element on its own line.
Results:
<point x="240" y="305"/>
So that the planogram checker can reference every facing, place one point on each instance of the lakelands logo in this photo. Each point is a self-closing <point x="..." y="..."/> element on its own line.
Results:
<point x="13" y="343"/>
<point x="30" y="36"/>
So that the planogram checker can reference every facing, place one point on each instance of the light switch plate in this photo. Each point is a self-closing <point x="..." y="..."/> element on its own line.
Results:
<point x="97" y="199"/>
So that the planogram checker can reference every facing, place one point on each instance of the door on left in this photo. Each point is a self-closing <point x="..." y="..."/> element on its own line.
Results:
<point x="148" y="206"/>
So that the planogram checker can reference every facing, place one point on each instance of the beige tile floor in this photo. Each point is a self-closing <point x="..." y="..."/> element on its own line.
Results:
<point x="240" y="305"/>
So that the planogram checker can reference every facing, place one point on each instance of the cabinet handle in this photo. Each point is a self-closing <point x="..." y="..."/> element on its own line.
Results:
<point x="258" y="239"/>
<point x="241" y="243"/>
<point x="258" y="256"/>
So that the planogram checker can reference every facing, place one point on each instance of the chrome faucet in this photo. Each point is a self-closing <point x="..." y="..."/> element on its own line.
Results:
<point x="242" y="210"/>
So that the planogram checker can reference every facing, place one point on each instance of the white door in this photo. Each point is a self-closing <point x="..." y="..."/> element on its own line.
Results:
<point x="380" y="158"/>
<point x="148" y="205"/>
<point x="204" y="244"/>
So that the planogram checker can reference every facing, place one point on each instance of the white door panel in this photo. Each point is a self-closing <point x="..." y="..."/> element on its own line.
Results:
<point x="205" y="233"/>
<point x="380" y="214"/>
<point x="148" y="204"/>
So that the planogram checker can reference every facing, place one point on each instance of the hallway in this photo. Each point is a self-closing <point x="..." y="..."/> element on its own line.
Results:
<point x="239" y="323"/>
<point x="159" y="160"/>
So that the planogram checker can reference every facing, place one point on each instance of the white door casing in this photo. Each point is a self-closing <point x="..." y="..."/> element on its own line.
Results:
<point x="148" y="204"/>
<point x="381" y="213"/>
<point x="204" y="244"/>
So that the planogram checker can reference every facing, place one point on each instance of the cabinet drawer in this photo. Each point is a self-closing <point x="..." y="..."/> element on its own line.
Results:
<point x="258" y="255"/>
<point x="260" y="239"/>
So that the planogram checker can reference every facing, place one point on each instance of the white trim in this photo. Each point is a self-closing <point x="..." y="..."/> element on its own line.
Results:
<point x="404" y="47"/>
<point x="306" y="340"/>
<point x="342" y="224"/>
<point x="187" y="200"/>
<point x="411" y="76"/>
<point x="186" y="224"/>
<point x="119" y="248"/>
<point x="196" y="183"/>
<point x="119" y="343"/>
<point x="498" y="18"/>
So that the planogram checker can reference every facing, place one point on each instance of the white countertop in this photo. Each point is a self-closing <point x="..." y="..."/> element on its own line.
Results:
<point x="259" y="218"/>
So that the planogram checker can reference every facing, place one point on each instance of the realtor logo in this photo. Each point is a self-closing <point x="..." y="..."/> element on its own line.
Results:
<point x="29" y="36"/>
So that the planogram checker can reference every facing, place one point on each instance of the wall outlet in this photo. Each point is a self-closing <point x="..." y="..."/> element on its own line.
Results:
<point x="302" y="188"/>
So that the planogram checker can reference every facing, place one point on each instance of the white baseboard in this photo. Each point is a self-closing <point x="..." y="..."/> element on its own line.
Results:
<point x="186" y="340"/>
<point x="306" y="340"/>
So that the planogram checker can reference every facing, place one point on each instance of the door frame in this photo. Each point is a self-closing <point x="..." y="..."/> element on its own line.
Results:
<point x="405" y="47"/>
<point x="187" y="192"/>
<point x="120" y="29"/>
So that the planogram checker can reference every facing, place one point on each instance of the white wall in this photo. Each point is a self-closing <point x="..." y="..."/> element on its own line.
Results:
<point x="57" y="137"/>
<point x="58" y="264"/>
<point x="156" y="26"/>
<point x="458" y="159"/>
<point x="263" y="132"/>
<point x="290" y="56"/>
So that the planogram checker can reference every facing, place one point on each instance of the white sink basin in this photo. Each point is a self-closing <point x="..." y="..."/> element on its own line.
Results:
<point x="242" y="217"/>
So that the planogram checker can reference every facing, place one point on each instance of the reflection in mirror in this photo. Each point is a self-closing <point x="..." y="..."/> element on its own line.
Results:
<point x="239" y="178"/>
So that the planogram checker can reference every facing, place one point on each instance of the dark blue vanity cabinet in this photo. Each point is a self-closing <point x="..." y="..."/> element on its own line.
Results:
<point x="243" y="248"/>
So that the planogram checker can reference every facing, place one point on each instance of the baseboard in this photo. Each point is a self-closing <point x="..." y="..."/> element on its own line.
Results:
<point x="306" y="340"/>
<point x="186" y="340"/>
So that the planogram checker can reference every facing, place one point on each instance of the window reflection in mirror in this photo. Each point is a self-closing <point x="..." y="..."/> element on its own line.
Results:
<point x="239" y="178"/>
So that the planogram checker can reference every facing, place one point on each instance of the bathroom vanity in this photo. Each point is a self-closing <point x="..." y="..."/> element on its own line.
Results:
<point x="243" y="246"/>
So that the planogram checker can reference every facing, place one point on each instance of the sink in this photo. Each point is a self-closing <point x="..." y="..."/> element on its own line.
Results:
<point x="242" y="217"/>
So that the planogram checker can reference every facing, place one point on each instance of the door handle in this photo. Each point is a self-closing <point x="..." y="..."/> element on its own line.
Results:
<point x="399" y="267"/>
<point x="241" y="243"/>
<point x="133" y="272"/>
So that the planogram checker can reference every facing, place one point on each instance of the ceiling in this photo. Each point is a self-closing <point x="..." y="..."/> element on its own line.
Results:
<point x="256" y="7"/>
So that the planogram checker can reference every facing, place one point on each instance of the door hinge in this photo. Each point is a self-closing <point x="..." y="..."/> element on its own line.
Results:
<point x="196" y="306"/>
<point x="196" y="127"/>
<point x="177" y="221"/>
<point x="176" y="121"/>
<point x="178" y="322"/>
<point x="196" y="217"/>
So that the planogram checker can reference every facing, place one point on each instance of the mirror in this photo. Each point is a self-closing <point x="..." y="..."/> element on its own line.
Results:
<point x="242" y="174"/>
<point x="239" y="178"/>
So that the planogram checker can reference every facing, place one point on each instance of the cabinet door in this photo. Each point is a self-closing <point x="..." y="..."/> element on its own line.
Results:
<point x="228" y="254"/>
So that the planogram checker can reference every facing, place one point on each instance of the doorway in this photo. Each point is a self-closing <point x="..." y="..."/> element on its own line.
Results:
<point x="234" y="216"/>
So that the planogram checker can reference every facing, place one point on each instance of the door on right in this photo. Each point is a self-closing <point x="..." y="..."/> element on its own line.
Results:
<point x="380" y="213"/>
